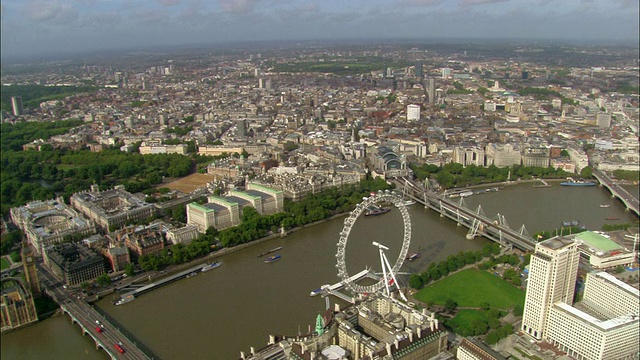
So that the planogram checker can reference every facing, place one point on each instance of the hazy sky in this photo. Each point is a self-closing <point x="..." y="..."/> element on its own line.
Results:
<point x="39" y="27"/>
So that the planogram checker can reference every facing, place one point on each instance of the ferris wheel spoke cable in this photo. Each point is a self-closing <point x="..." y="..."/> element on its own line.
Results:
<point x="341" y="265"/>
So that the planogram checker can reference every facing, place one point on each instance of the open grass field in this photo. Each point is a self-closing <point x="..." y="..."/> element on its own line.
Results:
<point x="4" y="263"/>
<point x="189" y="183"/>
<point x="473" y="288"/>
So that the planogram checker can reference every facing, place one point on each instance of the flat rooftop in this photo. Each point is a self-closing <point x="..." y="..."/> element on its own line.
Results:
<point x="557" y="242"/>
<point x="259" y="194"/>
<point x="242" y="202"/>
<point x="597" y="241"/>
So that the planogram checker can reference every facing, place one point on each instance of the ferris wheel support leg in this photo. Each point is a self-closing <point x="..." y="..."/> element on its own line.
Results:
<point x="384" y="271"/>
<point x="393" y="276"/>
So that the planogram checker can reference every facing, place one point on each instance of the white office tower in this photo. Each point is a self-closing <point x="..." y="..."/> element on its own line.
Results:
<point x="604" y="325"/>
<point x="552" y="279"/>
<point x="413" y="112"/>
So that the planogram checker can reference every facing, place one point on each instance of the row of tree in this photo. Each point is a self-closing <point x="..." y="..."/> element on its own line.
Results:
<point x="18" y="134"/>
<point x="314" y="207"/>
<point x="177" y="254"/>
<point x="488" y="319"/>
<point x="40" y="175"/>
<point x="455" y="175"/>
<point x="626" y="175"/>
<point x="435" y="271"/>
<point x="546" y="94"/>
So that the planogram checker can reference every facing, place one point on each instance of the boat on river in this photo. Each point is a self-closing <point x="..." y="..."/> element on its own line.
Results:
<point x="271" y="259"/>
<point x="413" y="256"/>
<point x="192" y="275"/>
<point x="604" y="205"/>
<point x="125" y="299"/>
<point x="270" y="251"/>
<point x="211" y="266"/>
<point x="317" y="291"/>
<point x="376" y="211"/>
<point x="572" y="182"/>
<point x="466" y="193"/>
<point x="408" y="202"/>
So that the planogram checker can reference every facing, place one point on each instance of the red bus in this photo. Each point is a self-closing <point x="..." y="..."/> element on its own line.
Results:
<point x="119" y="348"/>
<point x="98" y="329"/>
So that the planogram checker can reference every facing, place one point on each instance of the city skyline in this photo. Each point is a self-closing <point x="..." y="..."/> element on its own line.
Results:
<point x="43" y="28"/>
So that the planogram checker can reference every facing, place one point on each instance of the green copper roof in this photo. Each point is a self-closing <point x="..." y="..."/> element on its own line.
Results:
<point x="200" y="207"/>
<point x="319" y="325"/>
<point x="598" y="241"/>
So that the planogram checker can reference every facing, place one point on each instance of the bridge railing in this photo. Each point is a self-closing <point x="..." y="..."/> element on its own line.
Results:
<point x="145" y="350"/>
<point x="464" y="215"/>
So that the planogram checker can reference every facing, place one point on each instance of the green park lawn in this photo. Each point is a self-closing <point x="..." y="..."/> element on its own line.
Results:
<point x="467" y="316"/>
<point x="473" y="288"/>
<point x="4" y="263"/>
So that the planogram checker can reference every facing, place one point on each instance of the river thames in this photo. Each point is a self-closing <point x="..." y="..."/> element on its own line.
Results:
<point x="219" y="313"/>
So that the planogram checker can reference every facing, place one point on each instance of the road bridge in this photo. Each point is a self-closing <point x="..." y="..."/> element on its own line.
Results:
<point x="617" y="191"/>
<point x="493" y="229"/>
<point x="84" y="315"/>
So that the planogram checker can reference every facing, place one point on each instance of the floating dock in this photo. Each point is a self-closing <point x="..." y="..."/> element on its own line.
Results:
<point x="146" y="288"/>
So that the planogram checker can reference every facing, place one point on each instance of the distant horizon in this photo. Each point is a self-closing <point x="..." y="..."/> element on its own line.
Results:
<point x="266" y="45"/>
<point x="49" y="28"/>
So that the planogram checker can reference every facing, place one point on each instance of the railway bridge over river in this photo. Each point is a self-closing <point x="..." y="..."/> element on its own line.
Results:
<point x="478" y="224"/>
